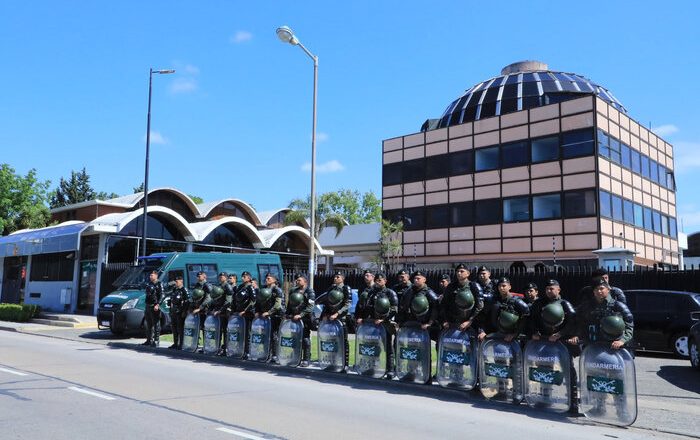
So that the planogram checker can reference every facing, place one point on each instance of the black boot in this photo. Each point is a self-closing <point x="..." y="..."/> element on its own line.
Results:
<point x="305" y="352"/>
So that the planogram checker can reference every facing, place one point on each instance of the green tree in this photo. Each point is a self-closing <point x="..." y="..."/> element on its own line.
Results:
<point x="139" y="189"/>
<point x="74" y="190"/>
<point x="352" y="206"/>
<point x="22" y="201"/>
<point x="390" y="244"/>
<point x="196" y="199"/>
<point x="325" y="216"/>
<point x="105" y="195"/>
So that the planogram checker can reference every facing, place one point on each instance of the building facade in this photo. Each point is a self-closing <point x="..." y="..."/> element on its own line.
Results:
<point x="532" y="167"/>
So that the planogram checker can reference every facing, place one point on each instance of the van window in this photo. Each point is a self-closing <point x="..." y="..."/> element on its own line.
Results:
<point x="264" y="269"/>
<point x="651" y="302"/>
<point x="210" y="269"/>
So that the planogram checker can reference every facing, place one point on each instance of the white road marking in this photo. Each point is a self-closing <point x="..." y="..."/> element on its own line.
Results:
<point x="92" y="393"/>
<point x="18" y="373"/>
<point x="239" y="433"/>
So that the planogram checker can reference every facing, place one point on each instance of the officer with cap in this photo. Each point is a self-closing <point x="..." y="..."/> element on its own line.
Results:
<point x="508" y="313"/>
<point x="221" y="295"/>
<point x="154" y="294"/>
<point x="603" y="318"/>
<point x="531" y="293"/>
<point x="243" y="303"/>
<point x="382" y="306"/>
<point x="459" y="305"/>
<point x="336" y="303"/>
<point x="403" y="284"/>
<point x="554" y="318"/>
<point x="201" y="298"/>
<point x="442" y="285"/>
<point x="362" y="307"/>
<point x="233" y="283"/>
<point x="300" y="305"/>
<point x="486" y="289"/>
<point x="179" y="300"/>
<point x="270" y="303"/>
<point x="424" y="310"/>
<point x="587" y="292"/>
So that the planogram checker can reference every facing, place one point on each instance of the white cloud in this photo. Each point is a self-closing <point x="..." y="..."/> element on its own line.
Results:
<point x="183" y="85"/>
<point x="332" y="166"/>
<point x="241" y="37"/>
<point x="190" y="69"/>
<point x="686" y="156"/>
<point x="321" y="136"/>
<point x="156" y="138"/>
<point x="665" y="130"/>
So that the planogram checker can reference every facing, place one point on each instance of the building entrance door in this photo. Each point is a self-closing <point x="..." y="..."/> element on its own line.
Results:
<point x="13" y="280"/>
<point x="88" y="286"/>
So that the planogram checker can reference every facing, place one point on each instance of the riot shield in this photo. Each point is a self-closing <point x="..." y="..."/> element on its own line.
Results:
<point x="331" y="346"/>
<point x="456" y="364"/>
<point x="370" y="350"/>
<point x="190" y="339"/>
<point x="291" y="334"/>
<point x="608" y="385"/>
<point x="236" y="331"/>
<point x="212" y="334"/>
<point x="260" y="332"/>
<point x="501" y="370"/>
<point x="413" y="357"/>
<point x="547" y="375"/>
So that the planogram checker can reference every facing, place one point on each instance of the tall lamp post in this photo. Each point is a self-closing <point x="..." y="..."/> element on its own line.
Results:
<point x="148" y="153"/>
<point x="287" y="36"/>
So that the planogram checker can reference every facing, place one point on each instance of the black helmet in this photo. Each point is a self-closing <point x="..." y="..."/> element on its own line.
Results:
<point x="335" y="297"/>
<point x="197" y="294"/>
<point x="464" y="299"/>
<point x="264" y="294"/>
<point x="382" y="306"/>
<point x="420" y="305"/>
<point x="613" y="326"/>
<point x="216" y="292"/>
<point x="296" y="299"/>
<point x="507" y="322"/>
<point x="553" y="314"/>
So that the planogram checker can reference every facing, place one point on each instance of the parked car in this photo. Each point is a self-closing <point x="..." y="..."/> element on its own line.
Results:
<point x="662" y="319"/>
<point x="694" y="341"/>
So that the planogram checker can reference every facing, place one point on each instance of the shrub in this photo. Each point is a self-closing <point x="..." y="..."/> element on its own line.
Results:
<point x="18" y="312"/>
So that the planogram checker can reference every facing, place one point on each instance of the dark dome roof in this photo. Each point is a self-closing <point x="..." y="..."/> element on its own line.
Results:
<point x="521" y="86"/>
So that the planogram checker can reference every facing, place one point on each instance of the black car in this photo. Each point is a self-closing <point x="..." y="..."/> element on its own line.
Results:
<point x="662" y="319"/>
<point x="694" y="341"/>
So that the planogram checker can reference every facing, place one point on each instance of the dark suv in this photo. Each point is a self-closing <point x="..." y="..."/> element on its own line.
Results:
<point x="662" y="319"/>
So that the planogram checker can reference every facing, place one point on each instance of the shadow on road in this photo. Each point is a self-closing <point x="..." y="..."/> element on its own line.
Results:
<point x="683" y="377"/>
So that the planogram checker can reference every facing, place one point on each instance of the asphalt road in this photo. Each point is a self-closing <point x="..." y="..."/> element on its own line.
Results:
<point x="67" y="389"/>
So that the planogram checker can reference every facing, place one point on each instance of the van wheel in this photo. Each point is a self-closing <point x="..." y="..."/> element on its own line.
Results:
<point x="680" y="344"/>
<point x="694" y="352"/>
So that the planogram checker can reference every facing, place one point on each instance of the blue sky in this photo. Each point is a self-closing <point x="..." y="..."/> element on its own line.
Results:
<point x="235" y="120"/>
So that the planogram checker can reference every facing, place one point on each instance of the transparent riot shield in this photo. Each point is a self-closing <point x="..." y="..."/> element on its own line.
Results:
<point x="236" y="334"/>
<point x="370" y="350"/>
<point x="190" y="339"/>
<point x="212" y="334"/>
<point x="331" y="345"/>
<point x="413" y="357"/>
<point x="260" y="332"/>
<point x="456" y="365"/>
<point x="291" y="334"/>
<point x="608" y="385"/>
<point x="547" y="375"/>
<point x="501" y="370"/>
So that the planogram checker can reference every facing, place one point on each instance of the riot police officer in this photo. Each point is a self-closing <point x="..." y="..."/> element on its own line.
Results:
<point x="336" y="303"/>
<point x="243" y="303"/>
<point x="219" y="307"/>
<point x="301" y="306"/>
<point x="233" y="283"/>
<point x="381" y="308"/>
<point x="603" y="318"/>
<point x="201" y="302"/>
<point x="154" y="294"/>
<point x="459" y="305"/>
<point x="442" y="285"/>
<point x="554" y="318"/>
<point x="362" y="306"/>
<point x="270" y="303"/>
<point x="418" y="304"/>
<point x="179" y="301"/>
<point x="531" y="293"/>
<point x="508" y="313"/>
<point x="587" y="292"/>
<point x="403" y="284"/>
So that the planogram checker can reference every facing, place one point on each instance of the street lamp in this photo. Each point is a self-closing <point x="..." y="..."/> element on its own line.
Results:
<point x="148" y="150"/>
<point x="286" y="35"/>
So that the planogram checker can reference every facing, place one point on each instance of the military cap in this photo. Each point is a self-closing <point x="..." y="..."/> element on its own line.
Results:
<point x="366" y="271"/>
<point x="599" y="272"/>
<point x="445" y="276"/>
<point x="201" y="272"/>
<point x="244" y="273"/>
<point x="418" y="273"/>
<point x="270" y="274"/>
<point x="503" y="280"/>
<point x="461" y="266"/>
<point x="380" y="275"/>
<point x="402" y="272"/>
<point x="300" y="275"/>
<point x="551" y="282"/>
<point x="599" y="282"/>
<point x="223" y="274"/>
<point x="531" y="286"/>
<point x="338" y="273"/>
<point x="483" y="269"/>
<point x="232" y="275"/>
<point x="178" y="277"/>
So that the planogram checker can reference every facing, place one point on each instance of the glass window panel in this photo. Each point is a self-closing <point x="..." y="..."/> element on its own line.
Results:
<point x="579" y="203"/>
<point x="393" y="215"/>
<point x="527" y="77"/>
<point x="664" y="225"/>
<point x="605" y="206"/>
<point x="603" y="144"/>
<point x="628" y="211"/>
<point x="469" y="113"/>
<point x="530" y="89"/>
<point x="645" y="166"/>
<point x="614" y="150"/>
<point x="546" y="207"/>
<point x="648" y="223"/>
<point x="488" y="109"/>
<point x="391" y="174"/>
<point x="636" y="162"/>
<point x="577" y="143"/>
<point x="437" y="217"/>
<point x="654" y="170"/>
<point x="491" y="94"/>
<point x="510" y="91"/>
<point x="516" y="210"/>
<point x="456" y="117"/>
<point x="617" y="208"/>
<point x="486" y="159"/>
<point x="531" y="102"/>
<point x="638" y="216"/>
<point x="545" y="149"/>
<point x="461" y="162"/>
<point x="413" y="170"/>
<point x="512" y="79"/>
<point x="437" y="166"/>
<point x="568" y="86"/>
<point x="626" y="159"/>
<point x="462" y="214"/>
<point x="549" y="87"/>
<point x="670" y="181"/>
<point x="487" y="212"/>
<point x="515" y="154"/>
<point x="672" y="227"/>
<point x="662" y="175"/>
<point x="414" y="219"/>
<point x="656" y="218"/>
<point x="509" y="106"/>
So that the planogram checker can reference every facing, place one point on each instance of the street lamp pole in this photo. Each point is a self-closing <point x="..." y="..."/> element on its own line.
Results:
<point x="148" y="154"/>
<point x="286" y="35"/>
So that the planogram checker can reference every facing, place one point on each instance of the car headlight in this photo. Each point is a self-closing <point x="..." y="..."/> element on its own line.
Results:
<point x="130" y="304"/>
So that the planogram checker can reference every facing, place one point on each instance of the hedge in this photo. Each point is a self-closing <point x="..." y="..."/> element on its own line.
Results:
<point x="18" y="312"/>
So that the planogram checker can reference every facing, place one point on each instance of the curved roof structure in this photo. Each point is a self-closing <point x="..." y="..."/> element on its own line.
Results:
<point x="203" y="229"/>
<point x="521" y="85"/>
<point x="117" y="222"/>
<point x="204" y="209"/>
